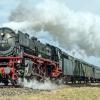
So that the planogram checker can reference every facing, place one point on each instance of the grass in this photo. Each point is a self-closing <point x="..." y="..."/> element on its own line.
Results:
<point x="64" y="93"/>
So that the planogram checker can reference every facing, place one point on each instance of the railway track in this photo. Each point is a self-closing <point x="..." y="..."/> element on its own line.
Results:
<point x="71" y="85"/>
<point x="10" y="86"/>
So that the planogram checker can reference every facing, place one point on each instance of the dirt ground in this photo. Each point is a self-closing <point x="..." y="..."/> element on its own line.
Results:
<point x="61" y="93"/>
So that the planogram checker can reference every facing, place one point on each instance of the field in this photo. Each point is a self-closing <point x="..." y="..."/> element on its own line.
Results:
<point x="61" y="93"/>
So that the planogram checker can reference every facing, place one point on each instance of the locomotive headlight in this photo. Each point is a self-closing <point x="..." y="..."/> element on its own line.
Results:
<point x="2" y="34"/>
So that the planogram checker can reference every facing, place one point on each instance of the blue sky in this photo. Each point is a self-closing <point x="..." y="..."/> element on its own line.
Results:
<point x="5" y="8"/>
<point x="92" y="6"/>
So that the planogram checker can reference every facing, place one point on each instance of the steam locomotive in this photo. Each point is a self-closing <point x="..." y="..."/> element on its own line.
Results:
<point x="22" y="56"/>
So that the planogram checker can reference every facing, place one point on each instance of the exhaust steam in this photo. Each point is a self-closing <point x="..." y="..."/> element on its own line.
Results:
<point x="34" y="84"/>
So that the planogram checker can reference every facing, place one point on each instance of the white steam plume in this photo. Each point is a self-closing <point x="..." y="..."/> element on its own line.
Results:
<point x="71" y="29"/>
<point x="34" y="84"/>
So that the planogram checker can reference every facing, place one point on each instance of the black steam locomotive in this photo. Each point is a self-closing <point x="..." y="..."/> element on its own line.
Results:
<point x="25" y="57"/>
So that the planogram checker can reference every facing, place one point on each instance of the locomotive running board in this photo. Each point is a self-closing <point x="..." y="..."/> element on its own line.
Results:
<point x="10" y="57"/>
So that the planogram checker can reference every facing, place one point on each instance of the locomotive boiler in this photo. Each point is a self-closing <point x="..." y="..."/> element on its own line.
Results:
<point x="7" y="41"/>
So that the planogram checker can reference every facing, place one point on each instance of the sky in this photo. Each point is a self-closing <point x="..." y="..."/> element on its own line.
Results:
<point x="5" y="8"/>
<point x="91" y="6"/>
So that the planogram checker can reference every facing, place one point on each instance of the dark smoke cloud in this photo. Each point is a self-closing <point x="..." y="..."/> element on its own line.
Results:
<point x="73" y="30"/>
